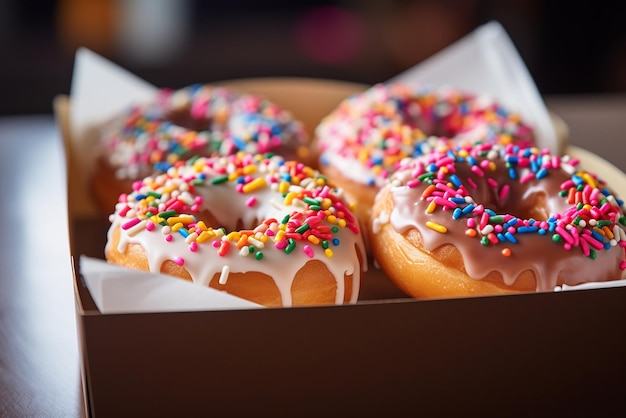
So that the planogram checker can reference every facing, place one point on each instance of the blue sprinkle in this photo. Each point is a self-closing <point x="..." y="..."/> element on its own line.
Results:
<point x="184" y="232"/>
<point x="140" y="197"/>
<point x="456" y="214"/>
<point x="456" y="200"/>
<point x="598" y="236"/>
<point x="577" y="179"/>
<point x="500" y="237"/>
<point x="490" y="212"/>
<point x="162" y="166"/>
<point x="510" y="237"/>
<point x="335" y="241"/>
<point x="455" y="180"/>
<point x="467" y="209"/>
<point x="512" y="173"/>
<point x="542" y="232"/>
<point x="541" y="173"/>
<point x="239" y="142"/>
<point x="527" y="229"/>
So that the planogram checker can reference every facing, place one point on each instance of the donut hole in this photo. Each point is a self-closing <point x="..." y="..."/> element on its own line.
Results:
<point x="183" y="118"/>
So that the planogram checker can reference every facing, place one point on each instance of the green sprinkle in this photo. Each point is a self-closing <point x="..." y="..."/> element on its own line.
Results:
<point x="285" y="219"/>
<point x="335" y="229"/>
<point x="259" y="255"/>
<point x="198" y="182"/>
<point x="497" y="219"/>
<point x="311" y="201"/>
<point x="167" y="214"/>
<point x="425" y="176"/>
<point x="484" y="241"/>
<point x="315" y="207"/>
<point x="592" y="254"/>
<point x="302" y="228"/>
<point x="563" y="193"/>
<point x="622" y="220"/>
<point x="290" y="246"/>
<point x="602" y="223"/>
<point x="154" y="194"/>
<point x="219" y="179"/>
<point x="251" y="249"/>
<point x="556" y="238"/>
<point x="325" y="244"/>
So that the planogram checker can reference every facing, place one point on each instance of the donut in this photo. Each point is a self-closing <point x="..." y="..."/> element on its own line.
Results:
<point x="492" y="219"/>
<point x="200" y="119"/>
<point x="361" y="142"/>
<point x="266" y="229"/>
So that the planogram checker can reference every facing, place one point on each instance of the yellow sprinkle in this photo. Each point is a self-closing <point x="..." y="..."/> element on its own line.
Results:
<point x="289" y="198"/>
<point x="313" y="239"/>
<point x="183" y="219"/>
<point x="249" y="169"/>
<point x="328" y="252"/>
<point x="326" y="203"/>
<point x="233" y="236"/>
<point x="201" y="226"/>
<point x="177" y="226"/>
<point x="436" y="227"/>
<point x="332" y="219"/>
<point x="279" y="235"/>
<point x="431" y="207"/>
<point x="283" y="187"/>
<point x="255" y="184"/>
<point x="204" y="235"/>
<point x="341" y="223"/>
<point x="590" y="180"/>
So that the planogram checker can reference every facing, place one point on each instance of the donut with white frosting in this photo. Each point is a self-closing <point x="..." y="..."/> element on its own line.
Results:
<point x="269" y="230"/>
<point x="198" y="120"/>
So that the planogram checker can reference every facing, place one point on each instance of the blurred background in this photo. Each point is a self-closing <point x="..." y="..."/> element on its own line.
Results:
<point x="568" y="48"/>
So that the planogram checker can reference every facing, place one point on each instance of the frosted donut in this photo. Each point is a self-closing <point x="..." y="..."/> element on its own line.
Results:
<point x="201" y="119"/>
<point x="262" y="228"/>
<point x="494" y="219"/>
<point x="361" y="142"/>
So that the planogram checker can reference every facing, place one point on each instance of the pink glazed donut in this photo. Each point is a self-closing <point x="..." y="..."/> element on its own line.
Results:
<point x="489" y="219"/>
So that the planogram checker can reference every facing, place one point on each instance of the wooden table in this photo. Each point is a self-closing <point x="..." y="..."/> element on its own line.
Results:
<point x="39" y="360"/>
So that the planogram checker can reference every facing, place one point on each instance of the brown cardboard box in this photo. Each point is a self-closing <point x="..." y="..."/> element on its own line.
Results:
<point x="534" y="354"/>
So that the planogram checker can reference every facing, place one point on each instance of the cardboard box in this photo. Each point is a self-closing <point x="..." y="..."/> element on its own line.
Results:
<point x="532" y="354"/>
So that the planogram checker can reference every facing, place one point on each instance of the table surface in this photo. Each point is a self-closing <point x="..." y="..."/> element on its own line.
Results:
<point x="39" y="356"/>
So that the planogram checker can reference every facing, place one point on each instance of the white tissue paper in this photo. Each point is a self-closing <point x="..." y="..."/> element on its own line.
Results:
<point x="117" y="289"/>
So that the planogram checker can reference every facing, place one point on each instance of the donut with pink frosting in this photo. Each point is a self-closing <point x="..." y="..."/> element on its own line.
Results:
<point x="361" y="143"/>
<point x="488" y="219"/>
